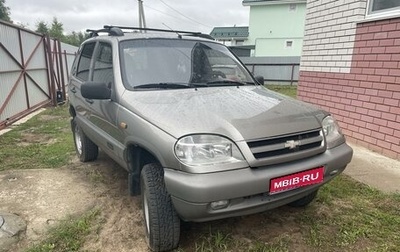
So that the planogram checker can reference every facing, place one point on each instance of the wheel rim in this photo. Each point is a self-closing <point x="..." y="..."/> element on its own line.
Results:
<point x="146" y="213"/>
<point x="78" y="140"/>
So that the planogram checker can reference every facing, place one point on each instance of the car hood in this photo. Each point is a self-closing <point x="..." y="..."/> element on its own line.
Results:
<point x="239" y="113"/>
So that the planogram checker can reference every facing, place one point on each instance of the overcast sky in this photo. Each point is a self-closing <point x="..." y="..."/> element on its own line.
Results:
<point x="78" y="15"/>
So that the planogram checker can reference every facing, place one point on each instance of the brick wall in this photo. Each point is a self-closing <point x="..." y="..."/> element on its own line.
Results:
<point x="330" y="33"/>
<point x="366" y="100"/>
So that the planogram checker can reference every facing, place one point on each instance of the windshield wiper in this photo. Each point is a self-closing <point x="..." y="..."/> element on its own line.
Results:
<point x="174" y="85"/>
<point x="163" y="85"/>
<point x="198" y="85"/>
<point x="226" y="83"/>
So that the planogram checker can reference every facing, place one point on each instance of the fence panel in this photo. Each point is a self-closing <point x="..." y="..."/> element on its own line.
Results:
<point x="33" y="69"/>
<point x="276" y="70"/>
<point x="68" y="53"/>
<point x="24" y="82"/>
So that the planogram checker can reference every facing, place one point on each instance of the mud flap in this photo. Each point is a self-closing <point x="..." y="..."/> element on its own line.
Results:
<point x="134" y="183"/>
<point x="134" y="173"/>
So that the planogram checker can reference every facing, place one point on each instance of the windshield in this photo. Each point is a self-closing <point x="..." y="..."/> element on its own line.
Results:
<point x="184" y="62"/>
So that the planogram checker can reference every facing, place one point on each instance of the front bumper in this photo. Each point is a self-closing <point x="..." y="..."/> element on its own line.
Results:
<point x="247" y="188"/>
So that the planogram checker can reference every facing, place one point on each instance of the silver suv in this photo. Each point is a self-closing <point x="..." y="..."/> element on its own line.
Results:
<point x="198" y="144"/>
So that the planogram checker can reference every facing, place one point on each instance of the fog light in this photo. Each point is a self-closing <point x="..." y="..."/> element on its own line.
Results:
<point x="219" y="204"/>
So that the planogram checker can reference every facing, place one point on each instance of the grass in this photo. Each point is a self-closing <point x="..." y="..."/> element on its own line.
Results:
<point x="346" y="215"/>
<point x="69" y="235"/>
<point x="45" y="141"/>
<point x="223" y="240"/>
<point x="284" y="89"/>
<point x="356" y="216"/>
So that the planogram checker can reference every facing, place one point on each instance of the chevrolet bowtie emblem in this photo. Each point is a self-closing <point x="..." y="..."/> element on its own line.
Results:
<point x="291" y="144"/>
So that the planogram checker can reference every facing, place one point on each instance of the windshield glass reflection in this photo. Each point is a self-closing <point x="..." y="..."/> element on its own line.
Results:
<point x="185" y="62"/>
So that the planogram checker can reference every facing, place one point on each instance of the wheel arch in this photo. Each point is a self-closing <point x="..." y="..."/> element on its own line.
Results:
<point x="137" y="156"/>
<point x="72" y="111"/>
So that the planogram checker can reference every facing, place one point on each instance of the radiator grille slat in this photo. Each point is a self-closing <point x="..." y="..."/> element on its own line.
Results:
<point x="310" y="142"/>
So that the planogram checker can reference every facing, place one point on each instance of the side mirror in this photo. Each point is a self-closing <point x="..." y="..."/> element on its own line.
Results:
<point x="260" y="79"/>
<point x="95" y="90"/>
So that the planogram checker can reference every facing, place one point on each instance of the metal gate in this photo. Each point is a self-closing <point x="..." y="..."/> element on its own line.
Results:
<point x="32" y="72"/>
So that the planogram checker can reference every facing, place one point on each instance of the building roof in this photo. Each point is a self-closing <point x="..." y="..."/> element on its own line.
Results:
<point x="270" y="2"/>
<point x="230" y="32"/>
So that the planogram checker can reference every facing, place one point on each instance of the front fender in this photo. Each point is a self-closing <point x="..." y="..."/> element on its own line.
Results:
<point x="141" y="133"/>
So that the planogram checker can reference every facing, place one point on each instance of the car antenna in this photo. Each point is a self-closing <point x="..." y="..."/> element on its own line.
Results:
<point x="179" y="35"/>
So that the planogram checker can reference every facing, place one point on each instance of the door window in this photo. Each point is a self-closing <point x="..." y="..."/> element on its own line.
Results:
<point x="84" y="62"/>
<point x="103" y="67"/>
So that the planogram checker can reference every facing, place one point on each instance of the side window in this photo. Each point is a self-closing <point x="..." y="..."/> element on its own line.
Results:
<point x="103" y="67"/>
<point x="384" y="5"/>
<point x="84" y="62"/>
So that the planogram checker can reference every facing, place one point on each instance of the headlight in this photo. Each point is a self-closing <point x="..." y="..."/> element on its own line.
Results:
<point x="207" y="150"/>
<point x="333" y="134"/>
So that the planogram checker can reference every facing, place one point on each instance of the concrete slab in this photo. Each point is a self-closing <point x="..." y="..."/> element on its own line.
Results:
<point x="21" y="121"/>
<point x="11" y="226"/>
<point x="44" y="197"/>
<point x="375" y="170"/>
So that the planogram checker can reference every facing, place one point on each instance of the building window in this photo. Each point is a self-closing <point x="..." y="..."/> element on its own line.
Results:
<point x="288" y="43"/>
<point x="383" y="7"/>
<point x="292" y="7"/>
<point x="239" y="42"/>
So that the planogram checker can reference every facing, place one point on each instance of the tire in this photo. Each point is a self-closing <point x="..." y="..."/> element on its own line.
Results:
<point x="84" y="147"/>
<point x="162" y="224"/>
<point x="306" y="200"/>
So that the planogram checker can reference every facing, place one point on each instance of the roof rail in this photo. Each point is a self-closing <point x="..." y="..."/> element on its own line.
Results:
<point x="112" y="31"/>
<point x="180" y="33"/>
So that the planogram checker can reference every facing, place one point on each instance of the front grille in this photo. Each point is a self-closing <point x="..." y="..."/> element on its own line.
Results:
<point x="311" y="142"/>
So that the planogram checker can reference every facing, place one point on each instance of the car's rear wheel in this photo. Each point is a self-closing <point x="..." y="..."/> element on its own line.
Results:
<point x="306" y="200"/>
<point x="85" y="148"/>
<point x="162" y="224"/>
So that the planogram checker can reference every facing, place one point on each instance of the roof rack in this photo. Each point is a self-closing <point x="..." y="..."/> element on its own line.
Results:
<point x="180" y="33"/>
<point x="112" y="31"/>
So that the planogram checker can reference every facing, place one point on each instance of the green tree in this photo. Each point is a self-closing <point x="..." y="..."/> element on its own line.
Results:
<point x="56" y="30"/>
<point x="75" y="38"/>
<point x="4" y="11"/>
<point x="82" y="37"/>
<point x="41" y="27"/>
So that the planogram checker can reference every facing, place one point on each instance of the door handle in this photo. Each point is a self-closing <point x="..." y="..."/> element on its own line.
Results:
<point x="73" y="90"/>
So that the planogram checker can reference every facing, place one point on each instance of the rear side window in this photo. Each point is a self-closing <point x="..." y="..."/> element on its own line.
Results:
<point x="103" y="67"/>
<point x="84" y="61"/>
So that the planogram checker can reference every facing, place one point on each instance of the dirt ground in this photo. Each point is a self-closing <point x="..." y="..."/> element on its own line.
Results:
<point x="44" y="197"/>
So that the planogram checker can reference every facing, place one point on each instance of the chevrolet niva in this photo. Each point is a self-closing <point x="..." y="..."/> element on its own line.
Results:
<point x="199" y="143"/>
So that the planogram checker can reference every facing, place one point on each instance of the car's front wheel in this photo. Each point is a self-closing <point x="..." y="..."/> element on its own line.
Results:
<point x="306" y="200"/>
<point x="85" y="148"/>
<point x="162" y="224"/>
